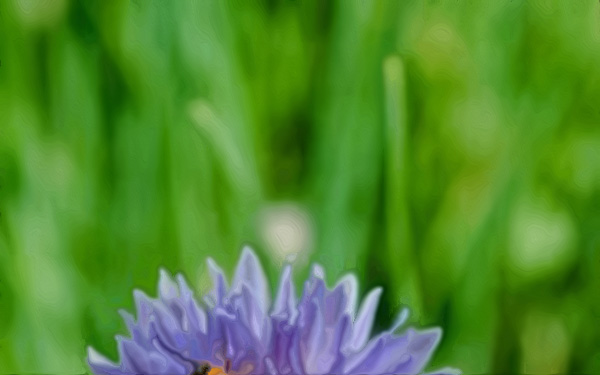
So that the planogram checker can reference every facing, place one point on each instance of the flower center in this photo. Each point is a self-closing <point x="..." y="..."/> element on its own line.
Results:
<point x="216" y="371"/>
<point x="207" y="369"/>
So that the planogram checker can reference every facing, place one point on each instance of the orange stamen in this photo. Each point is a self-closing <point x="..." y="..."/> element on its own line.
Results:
<point x="216" y="371"/>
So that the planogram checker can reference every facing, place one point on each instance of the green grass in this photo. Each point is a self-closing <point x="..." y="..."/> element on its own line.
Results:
<point x="447" y="150"/>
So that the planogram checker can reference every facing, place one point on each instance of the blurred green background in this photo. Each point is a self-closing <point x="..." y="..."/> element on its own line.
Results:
<point x="447" y="150"/>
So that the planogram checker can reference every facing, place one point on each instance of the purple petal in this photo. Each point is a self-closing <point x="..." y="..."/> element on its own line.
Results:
<point x="167" y="288"/>
<point x="341" y="300"/>
<point x="445" y="371"/>
<point x="101" y="365"/>
<point x="215" y="297"/>
<point x="364" y="320"/>
<point x="249" y="273"/>
<point x="420" y="349"/>
<point x="285" y="302"/>
<point x="386" y="354"/>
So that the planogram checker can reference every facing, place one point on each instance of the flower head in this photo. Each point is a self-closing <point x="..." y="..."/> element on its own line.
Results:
<point x="237" y="330"/>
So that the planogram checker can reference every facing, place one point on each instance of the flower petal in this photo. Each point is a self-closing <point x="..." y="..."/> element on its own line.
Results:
<point x="445" y="371"/>
<point x="216" y="295"/>
<point x="101" y="365"/>
<point x="167" y="288"/>
<point x="285" y="302"/>
<point x="364" y="320"/>
<point x="250" y="273"/>
<point x="420" y="349"/>
<point x="341" y="300"/>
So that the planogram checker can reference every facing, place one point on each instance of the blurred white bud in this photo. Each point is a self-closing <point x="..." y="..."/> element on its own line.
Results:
<point x="286" y="229"/>
<point x="542" y="239"/>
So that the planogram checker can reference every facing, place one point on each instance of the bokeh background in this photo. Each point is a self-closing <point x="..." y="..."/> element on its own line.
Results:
<point x="447" y="150"/>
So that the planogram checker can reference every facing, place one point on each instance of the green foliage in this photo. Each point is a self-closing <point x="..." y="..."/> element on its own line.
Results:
<point x="448" y="150"/>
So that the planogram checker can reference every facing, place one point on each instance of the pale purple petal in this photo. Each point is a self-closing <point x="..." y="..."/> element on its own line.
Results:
<point x="284" y="306"/>
<point x="445" y="371"/>
<point x="101" y="365"/>
<point x="364" y="321"/>
<point x="216" y="295"/>
<point x="250" y="273"/>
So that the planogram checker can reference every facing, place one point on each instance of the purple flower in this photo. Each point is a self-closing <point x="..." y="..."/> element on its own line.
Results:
<point x="239" y="331"/>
